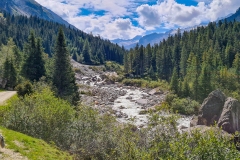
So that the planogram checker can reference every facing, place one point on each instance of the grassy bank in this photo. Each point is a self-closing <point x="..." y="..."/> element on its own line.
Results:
<point x="31" y="148"/>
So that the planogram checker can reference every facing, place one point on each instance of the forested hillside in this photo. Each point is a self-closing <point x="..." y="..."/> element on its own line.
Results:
<point x="195" y="62"/>
<point x="83" y="47"/>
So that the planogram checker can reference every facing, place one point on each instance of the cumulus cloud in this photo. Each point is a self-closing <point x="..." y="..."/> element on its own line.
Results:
<point x="111" y="25"/>
<point x="118" y="17"/>
<point x="169" y="13"/>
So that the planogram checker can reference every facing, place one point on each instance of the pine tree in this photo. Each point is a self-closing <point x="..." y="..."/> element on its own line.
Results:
<point x="174" y="81"/>
<point x="126" y="63"/>
<point x="185" y="88"/>
<point x="204" y="82"/>
<point x="141" y="58"/>
<point x="74" y="57"/>
<point x="183" y="61"/>
<point x="33" y="67"/>
<point x="9" y="73"/>
<point x="39" y="61"/>
<point x="236" y="65"/>
<point x="63" y="74"/>
<point x="86" y="53"/>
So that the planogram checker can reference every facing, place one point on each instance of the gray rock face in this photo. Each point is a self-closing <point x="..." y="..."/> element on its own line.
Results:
<point x="31" y="8"/>
<point x="211" y="108"/>
<point x="230" y="117"/>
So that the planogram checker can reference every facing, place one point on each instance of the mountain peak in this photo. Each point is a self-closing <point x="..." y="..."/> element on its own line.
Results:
<point x="30" y="8"/>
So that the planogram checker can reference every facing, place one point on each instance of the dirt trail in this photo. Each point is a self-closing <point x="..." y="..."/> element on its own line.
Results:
<point x="6" y="95"/>
<point x="9" y="154"/>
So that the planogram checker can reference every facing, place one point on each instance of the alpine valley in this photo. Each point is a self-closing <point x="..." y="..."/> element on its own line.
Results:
<point x="67" y="94"/>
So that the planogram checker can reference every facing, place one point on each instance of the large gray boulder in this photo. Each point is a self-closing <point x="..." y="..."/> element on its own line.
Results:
<point x="230" y="117"/>
<point x="211" y="108"/>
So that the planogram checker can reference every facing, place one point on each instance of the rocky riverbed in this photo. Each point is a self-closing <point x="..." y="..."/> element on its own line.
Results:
<point x="128" y="104"/>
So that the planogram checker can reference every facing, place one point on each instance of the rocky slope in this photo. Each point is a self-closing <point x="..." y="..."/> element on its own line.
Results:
<point x="128" y="104"/>
<point x="30" y="8"/>
<point x="124" y="102"/>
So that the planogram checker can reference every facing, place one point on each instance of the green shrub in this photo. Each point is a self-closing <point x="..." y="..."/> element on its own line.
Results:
<point x="25" y="88"/>
<point x="185" y="106"/>
<point x="40" y="115"/>
<point x="170" y="97"/>
<point x="146" y="83"/>
<point x="113" y="67"/>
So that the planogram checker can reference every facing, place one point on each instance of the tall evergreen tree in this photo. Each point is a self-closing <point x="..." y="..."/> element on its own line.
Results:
<point x="9" y="73"/>
<point x="63" y="74"/>
<point x="236" y="65"/>
<point x="86" y="53"/>
<point x="126" y="63"/>
<point x="174" y="81"/>
<point x="185" y="90"/>
<point x="204" y="82"/>
<point x="33" y="67"/>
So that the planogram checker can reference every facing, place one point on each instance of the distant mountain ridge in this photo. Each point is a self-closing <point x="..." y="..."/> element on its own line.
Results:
<point x="30" y="8"/>
<point x="154" y="38"/>
<point x="235" y="16"/>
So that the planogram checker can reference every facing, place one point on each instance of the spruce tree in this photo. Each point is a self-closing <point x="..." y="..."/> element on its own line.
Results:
<point x="33" y="67"/>
<point x="185" y="88"/>
<point x="9" y="73"/>
<point x="126" y="63"/>
<point x="63" y="74"/>
<point x="174" y="81"/>
<point x="204" y="82"/>
<point x="86" y="53"/>
<point x="236" y="65"/>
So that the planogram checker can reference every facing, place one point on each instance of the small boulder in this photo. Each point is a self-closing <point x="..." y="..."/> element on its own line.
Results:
<point x="230" y="117"/>
<point x="194" y="121"/>
<point x="155" y="91"/>
<point x="211" y="108"/>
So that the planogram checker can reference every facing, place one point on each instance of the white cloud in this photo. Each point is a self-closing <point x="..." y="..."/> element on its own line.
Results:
<point x="111" y="25"/>
<point x="169" y="13"/>
<point x="117" y="20"/>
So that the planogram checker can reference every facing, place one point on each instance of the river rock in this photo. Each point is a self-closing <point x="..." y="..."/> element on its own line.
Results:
<point x="142" y="102"/>
<point x="194" y="121"/>
<point x="129" y="97"/>
<point x="211" y="108"/>
<point x="230" y="117"/>
<point x="155" y="91"/>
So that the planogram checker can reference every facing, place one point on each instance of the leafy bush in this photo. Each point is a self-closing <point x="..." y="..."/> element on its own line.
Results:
<point x="88" y="134"/>
<point x="113" y="67"/>
<point x="146" y="83"/>
<point x="25" y="88"/>
<point x="40" y="115"/>
<point x="184" y="106"/>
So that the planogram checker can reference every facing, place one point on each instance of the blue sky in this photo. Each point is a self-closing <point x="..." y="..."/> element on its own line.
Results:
<point x="126" y="19"/>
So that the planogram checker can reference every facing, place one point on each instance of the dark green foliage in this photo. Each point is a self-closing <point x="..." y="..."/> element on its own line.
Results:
<point x="87" y="53"/>
<point x="174" y="81"/>
<point x="74" y="57"/>
<point x="40" y="115"/>
<point x="24" y="89"/>
<point x="236" y="65"/>
<point x="185" y="106"/>
<point x="33" y="67"/>
<point x="92" y="136"/>
<point x="205" y="86"/>
<point x="63" y="74"/>
<point x="185" y="90"/>
<point x="9" y="74"/>
<point x="204" y="58"/>
<point x="19" y="27"/>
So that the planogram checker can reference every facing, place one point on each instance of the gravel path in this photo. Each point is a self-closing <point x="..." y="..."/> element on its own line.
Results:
<point x="6" y="95"/>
